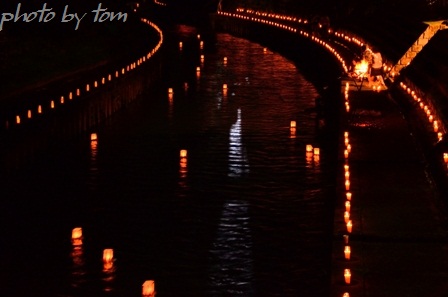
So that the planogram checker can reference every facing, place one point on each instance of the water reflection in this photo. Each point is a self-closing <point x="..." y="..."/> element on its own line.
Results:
<point x="238" y="162"/>
<point x="232" y="272"/>
<point x="78" y="269"/>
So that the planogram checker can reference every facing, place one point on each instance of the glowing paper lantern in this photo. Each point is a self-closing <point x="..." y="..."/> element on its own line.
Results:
<point x="348" y="206"/>
<point x="347" y="185"/>
<point x="347" y="252"/>
<point x="180" y="45"/>
<point x="349" y="226"/>
<point x="346" y="216"/>
<point x="62" y="99"/>
<point x="347" y="276"/>
<point x="349" y="195"/>
<point x="78" y="92"/>
<point x="349" y="148"/>
<point x="445" y="157"/>
<point x="170" y="90"/>
<point x="309" y="148"/>
<point x="39" y="109"/>
<point x="17" y="119"/>
<point x="77" y="236"/>
<point x="292" y="124"/>
<point x="346" y="154"/>
<point x="87" y="87"/>
<point x="346" y="134"/>
<point x="93" y="137"/>
<point x="70" y="96"/>
<point x="52" y="104"/>
<point x="183" y="153"/>
<point x="148" y="289"/>
<point x="347" y="175"/>
<point x="201" y="44"/>
<point x="108" y="255"/>
<point x="225" y="60"/>
<point x="198" y="69"/>
<point x="316" y="151"/>
<point x="29" y="114"/>
<point x="346" y="167"/>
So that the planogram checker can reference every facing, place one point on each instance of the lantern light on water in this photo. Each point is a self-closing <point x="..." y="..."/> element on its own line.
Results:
<point x="346" y="154"/>
<point x="39" y="109"/>
<point x="445" y="157"/>
<point x="225" y="60"/>
<point x="29" y="114"/>
<point x="346" y="167"/>
<point x="17" y="119"/>
<point x="316" y="151"/>
<point x="62" y="99"/>
<point x="87" y="87"/>
<point x="148" y="289"/>
<point x="93" y="137"/>
<point x="52" y="104"/>
<point x="347" y="175"/>
<point x="347" y="276"/>
<point x="224" y="86"/>
<point x="292" y="124"/>
<point x="347" y="185"/>
<point x="349" y="148"/>
<point x="198" y="69"/>
<point x="347" y="252"/>
<point x="180" y="45"/>
<point x="440" y="136"/>
<point x="70" y="96"/>
<point x="345" y="239"/>
<point x="170" y="90"/>
<point x="309" y="148"/>
<point x="183" y="153"/>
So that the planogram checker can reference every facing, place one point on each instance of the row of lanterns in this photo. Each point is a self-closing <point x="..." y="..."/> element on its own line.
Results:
<point x="159" y="3"/>
<point x="102" y="81"/>
<point x="344" y="36"/>
<point x="148" y="287"/>
<point x="291" y="29"/>
<point x="437" y="125"/>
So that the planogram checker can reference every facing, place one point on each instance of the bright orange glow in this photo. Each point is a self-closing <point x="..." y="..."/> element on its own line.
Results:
<point x="78" y="92"/>
<point x="183" y="153"/>
<point x="347" y="252"/>
<point x="62" y="99"/>
<point x="316" y="151"/>
<point x="346" y="167"/>
<point x="348" y="206"/>
<point x="39" y="109"/>
<point x="52" y="104"/>
<point x="349" y="196"/>
<point x="29" y="114"/>
<point x="87" y="87"/>
<point x="148" y="289"/>
<point x="346" y="154"/>
<point x="17" y="119"/>
<point x="346" y="216"/>
<point x="70" y="96"/>
<point x="445" y="157"/>
<point x="180" y="45"/>
<point x="93" y="137"/>
<point x="347" y="175"/>
<point x="292" y="124"/>
<point x="361" y="68"/>
<point x="346" y="294"/>
<point x="309" y="148"/>
<point x="349" y="226"/>
<point x="77" y="236"/>
<point x="170" y="90"/>
<point x="347" y="276"/>
<point x="108" y="255"/>
<point x="347" y="185"/>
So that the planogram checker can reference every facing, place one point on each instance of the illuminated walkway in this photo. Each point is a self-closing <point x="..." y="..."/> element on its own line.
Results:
<point x="398" y="242"/>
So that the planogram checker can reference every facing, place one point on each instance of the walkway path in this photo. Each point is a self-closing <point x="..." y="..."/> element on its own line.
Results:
<point x="399" y="246"/>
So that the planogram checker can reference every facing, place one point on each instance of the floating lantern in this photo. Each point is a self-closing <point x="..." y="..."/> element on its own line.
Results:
<point x="29" y="114"/>
<point x="201" y="44"/>
<point x="103" y="80"/>
<point x="87" y="87"/>
<point x="440" y="136"/>
<point x="17" y="119"/>
<point x="316" y="151"/>
<point x="180" y="45"/>
<point x="52" y="104"/>
<point x="198" y="69"/>
<point x="349" y="148"/>
<point x="347" y="276"/>
<point x="346" y="154"/>
<point x="265" y="50"/>
<point x="347" y="185"/>
<point x="108" y="255"/>
<point x="445" y="157"/>
<point x="346" y="134"/>
<point x="183" y="153"/>
<point x="349" y="196"/>
<point x="199" y="36"/>
<point x="292" y="124"/>
<point x="225" y="60"/>
<point x="39" y="109"/>
<point x="345" y="237"/>
<point x="116" y="73"/>
<point x="77" y="236"/>
<point x="346" y="141"/>
<point x="309" y="148"/>
<point x="170" y="90"/>
<point x="95" y="84"/>
<point x="348" y="206"/>
<point x="431" y="118"/>
<point x="346" y="167"/>
<point x="349" y="226"/>
<point x="347" y="252"/>
<point x="436" y="126"/>
<point x="70" y="96"/>
<point x="347" y="175"/>
<point x="62" y="99"/>
<point x="109" y="77"/>
<point x="93" y="137"/>
<point x="346" y="216"/>
<point x="224" y="86"/>
<point x="148" y="289"/>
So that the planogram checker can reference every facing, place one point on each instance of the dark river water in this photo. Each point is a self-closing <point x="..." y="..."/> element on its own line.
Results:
<point x="244" y="215"/>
